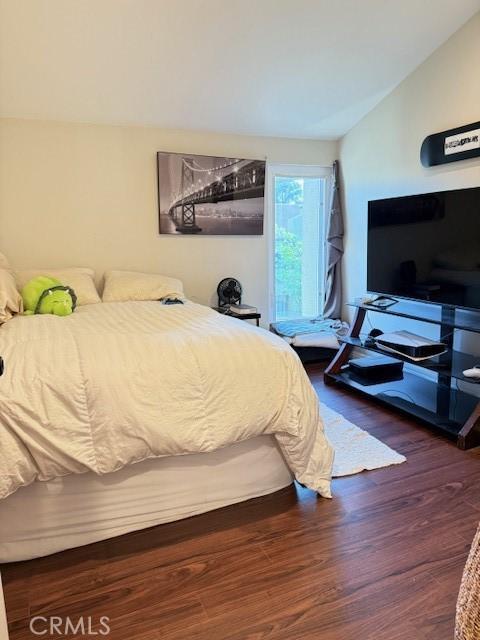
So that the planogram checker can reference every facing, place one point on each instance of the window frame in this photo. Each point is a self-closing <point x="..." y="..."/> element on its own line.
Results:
<point x="275" y="170"/>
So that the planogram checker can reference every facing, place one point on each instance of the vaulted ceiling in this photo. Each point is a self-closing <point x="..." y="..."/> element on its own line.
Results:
<point x="300" y="68"/>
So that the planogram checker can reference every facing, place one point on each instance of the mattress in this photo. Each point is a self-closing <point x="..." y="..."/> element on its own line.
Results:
<point x="75" y="510"/>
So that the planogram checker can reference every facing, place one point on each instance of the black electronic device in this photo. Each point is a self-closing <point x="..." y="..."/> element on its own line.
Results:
<point x="376" y="369"/>
<point x="410" y="345"/>
<point x="426" y="247"/>
<point x="229" y="292"/>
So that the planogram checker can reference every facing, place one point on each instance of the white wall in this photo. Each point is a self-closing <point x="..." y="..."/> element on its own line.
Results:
<point x="380" y="157"/>
<point x="82" y="194"/>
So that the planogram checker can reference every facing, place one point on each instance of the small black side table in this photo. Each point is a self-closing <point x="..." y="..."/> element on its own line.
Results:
<point x="243" y="316"/>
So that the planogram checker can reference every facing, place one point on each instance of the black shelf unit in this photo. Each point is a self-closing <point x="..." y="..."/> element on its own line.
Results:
<point x="450" y="317"/>
<point x="439" y="403"/>
<point x="451" y="363"/>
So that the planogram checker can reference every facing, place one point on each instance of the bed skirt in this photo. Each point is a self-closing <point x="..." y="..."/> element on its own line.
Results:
<point x="75" y="510"/>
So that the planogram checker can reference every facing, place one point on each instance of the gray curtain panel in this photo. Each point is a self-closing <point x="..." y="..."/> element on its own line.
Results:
<point x="333" y="289"/>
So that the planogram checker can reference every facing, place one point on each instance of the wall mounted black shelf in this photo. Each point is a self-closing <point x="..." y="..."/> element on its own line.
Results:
<point x="440" y="403"/>
<point x="451" y="145"/>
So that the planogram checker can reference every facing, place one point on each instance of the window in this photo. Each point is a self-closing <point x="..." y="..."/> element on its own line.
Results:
<point x="299" y="197"/>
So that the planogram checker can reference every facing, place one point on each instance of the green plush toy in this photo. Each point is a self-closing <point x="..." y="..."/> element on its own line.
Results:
<point x="47" y="295"/>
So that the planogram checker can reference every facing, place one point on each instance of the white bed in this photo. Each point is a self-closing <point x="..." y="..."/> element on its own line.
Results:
<point x="127" y="415"/>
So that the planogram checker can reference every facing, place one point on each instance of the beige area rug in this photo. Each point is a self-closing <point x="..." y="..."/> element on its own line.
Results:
<point x="355" y="449"/>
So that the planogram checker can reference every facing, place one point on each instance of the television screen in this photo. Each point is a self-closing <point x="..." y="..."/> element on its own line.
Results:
<point x="426" y="247"/>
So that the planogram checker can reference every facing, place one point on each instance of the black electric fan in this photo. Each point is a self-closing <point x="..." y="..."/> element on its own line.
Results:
<point x="229" y="292"/>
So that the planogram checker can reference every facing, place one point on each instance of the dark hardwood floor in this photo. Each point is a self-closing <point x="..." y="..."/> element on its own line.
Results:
<point x="381" y="561"/>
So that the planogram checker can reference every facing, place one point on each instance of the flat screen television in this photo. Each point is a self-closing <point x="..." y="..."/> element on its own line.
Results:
<point x="426" y="247"/>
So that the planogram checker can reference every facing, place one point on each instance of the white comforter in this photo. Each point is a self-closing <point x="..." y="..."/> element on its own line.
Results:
<point x="116" y="383"/>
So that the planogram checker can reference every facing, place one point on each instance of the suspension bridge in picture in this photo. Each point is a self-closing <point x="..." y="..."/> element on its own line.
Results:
<point x="240" y="180"/>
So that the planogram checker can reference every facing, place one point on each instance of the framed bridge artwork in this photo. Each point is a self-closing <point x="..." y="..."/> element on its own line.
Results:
<point x="210" y="195"/>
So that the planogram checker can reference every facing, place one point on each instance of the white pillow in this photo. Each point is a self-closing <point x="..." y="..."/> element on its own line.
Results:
<point x="10" y="299"/>
<point x="79" y="278"/>
<point x="121" y="286"/>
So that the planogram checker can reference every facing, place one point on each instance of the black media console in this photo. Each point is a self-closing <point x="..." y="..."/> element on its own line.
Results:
<point x="440" y="401"/>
